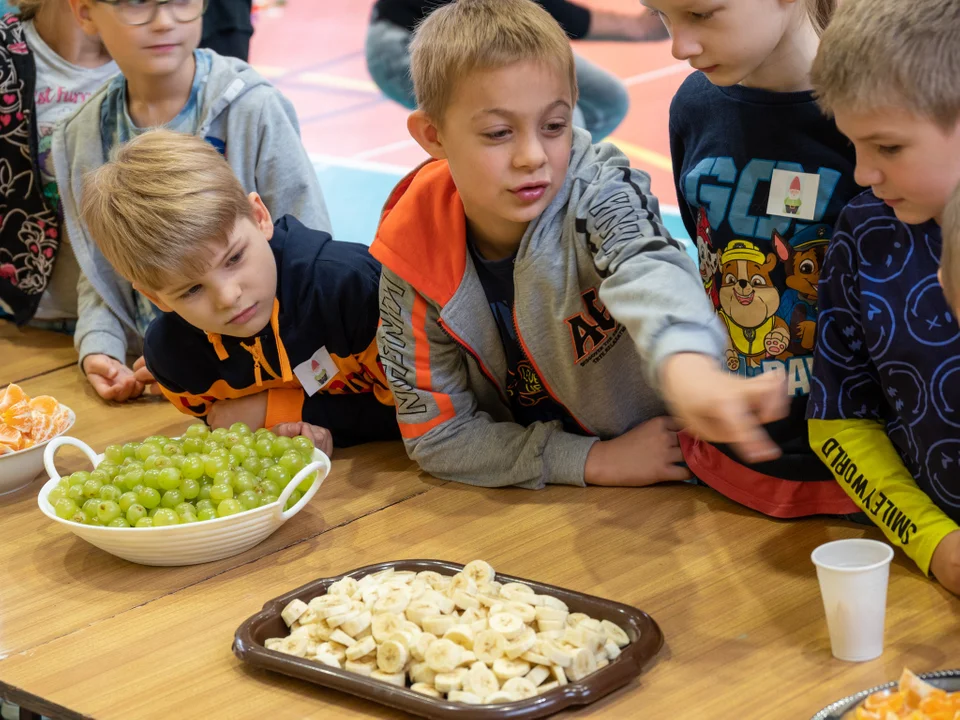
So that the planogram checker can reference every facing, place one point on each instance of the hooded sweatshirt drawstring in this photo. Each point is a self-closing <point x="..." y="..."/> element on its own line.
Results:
<point x="256" y="351"/>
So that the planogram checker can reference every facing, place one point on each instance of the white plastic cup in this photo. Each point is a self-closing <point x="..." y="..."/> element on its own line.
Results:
<point x="853" y="577"/>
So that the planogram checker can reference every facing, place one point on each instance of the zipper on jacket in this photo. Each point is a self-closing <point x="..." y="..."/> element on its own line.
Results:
<point x="470" y="351"/>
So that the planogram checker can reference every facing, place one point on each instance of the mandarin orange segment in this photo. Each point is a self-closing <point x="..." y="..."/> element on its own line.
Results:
<point x="12" y="394"/>
<point x="25" y="422"/>
<point x="45" y="404"/>
<point x="19" y="416"/>
<point x="42" y="428"/>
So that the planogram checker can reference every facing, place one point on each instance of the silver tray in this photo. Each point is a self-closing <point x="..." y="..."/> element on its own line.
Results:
<point x="948" y="680"/>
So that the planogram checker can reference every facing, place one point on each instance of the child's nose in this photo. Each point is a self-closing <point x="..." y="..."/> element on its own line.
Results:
<point x="684" y="44"/>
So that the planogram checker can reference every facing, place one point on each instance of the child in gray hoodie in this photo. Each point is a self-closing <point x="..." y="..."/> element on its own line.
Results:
<point x="167" y="82"/>
<point x="537" y="322"/>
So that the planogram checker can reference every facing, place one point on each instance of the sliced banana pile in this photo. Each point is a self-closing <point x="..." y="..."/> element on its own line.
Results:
<point x="465" y="637"/>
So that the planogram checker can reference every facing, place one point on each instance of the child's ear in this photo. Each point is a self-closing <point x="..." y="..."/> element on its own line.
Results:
<point x="424" y="130"/>
<point x="81" y="11"/>
<point x="261" y="215"/>
<point x="940" y="276"/>
<point x="152" y="297"/>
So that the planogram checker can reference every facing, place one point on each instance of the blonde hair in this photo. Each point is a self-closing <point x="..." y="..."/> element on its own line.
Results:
<point x="821" y="12"/>
<point x="26" y="9"/>
<point x="950" y="257"/>
<point x="892" y="53"/>
<point x="162" y="205"/>
<point x="472" y="35"/>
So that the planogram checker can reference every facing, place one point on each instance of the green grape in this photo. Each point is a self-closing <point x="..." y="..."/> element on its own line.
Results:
<point x="144" y="522"/>
<point x="75" y="493"/>
<point x="130" y="449"/>
<point x="269" y="487"/>
<point x="63" y="484"/>
<point x="79" y="477"/>
<point x="108" y="511"/>
<point x="222" y="454"/>
<point x="244" y="481"/>
<point x="135" y="513"/>
<point x="240" y="428"/>
<point x="65" y="508"/>
<point x="153" y="511"/>
<point x="249" y="499"/>
<point x="192" y="446"/>
<point x="133" y="476"/>
<point x="147" y="449"/>
<point x="192" y="468"/>
<point x="79" y="517"/>
<point x="176" y="461"/>
<point x="159" y="440"/>
<point x="277" y="474"/>
<point x="56" y="495"/>
<point x="138" y="488"/>
<point x="165" y="517"/>
<point x="151" y="478"/>
<point x="292" y="462"/>
<point x="224" y="477"/>
<point x="100" y="477"/>
<point x="306" y="482"/>
<point x="219" y="493"/>
<point x="185" y="507"/>
<point x="219" y="434"/>
<point x="229" y="507"/>
<point x="207" y="514"/>
<point x="149" y="498"/>
<point x="293" y="499"/>
<point x="265" y="433"/>
<point x="118" y="523"/>
<point x="239" y="453"/>
<point x="171" y="498"/>
<point x="109" y="469"/>
<point x="95" y="521"/>
<point x="213" y="465"/>
<point x="251" y="464"/>
<point x="197" y="430"/>
<point x="114" y="453"/>
<point x="190" y="489"/>
<point x="188" y="518"/>
<point x="248" y="441"/>
<point x="127" y="500"/>
<point x="91" y="488"/>
<point x="268" y="499"/>
<point x="172" y="448"/>
<point x="205" y="505"/>
<point x="130" y="461"/>
<point x="304" y="445"/>
<point x="280" y="446"/>
<point x="156" y="462"/>
<point x="264" y="447"/>
<point x="111" y="493"/>
<point x="204" y="493"/>
<point x="210" y="445"/>
<point x="169" y="479"/>
<point x="231" y="440"/>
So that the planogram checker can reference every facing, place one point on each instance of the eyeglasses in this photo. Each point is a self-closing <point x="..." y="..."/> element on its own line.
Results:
<point x="143" y="12"/>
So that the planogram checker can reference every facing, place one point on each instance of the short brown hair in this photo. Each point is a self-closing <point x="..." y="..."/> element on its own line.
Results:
<point x="26" y="9"/>
<point x="161" y="206"/>
<point x="950" y="257"/>
<point x="469" y="35"/>
<point x="892" y="53"/>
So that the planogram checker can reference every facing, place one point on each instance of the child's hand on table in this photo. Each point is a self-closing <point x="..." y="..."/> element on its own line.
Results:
<point x="321" y="437"/>
<point x="945" y="564"/>
<point x="645" y="455"/>
<point x="719" y="407"/>
<point x="111" y="378"/>
<point x="251" y="410"/>
<point x="145" y="377"/>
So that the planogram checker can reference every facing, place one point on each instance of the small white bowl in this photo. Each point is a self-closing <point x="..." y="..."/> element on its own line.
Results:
<point x="19" y="469"/>
<point x="190" y="544"/>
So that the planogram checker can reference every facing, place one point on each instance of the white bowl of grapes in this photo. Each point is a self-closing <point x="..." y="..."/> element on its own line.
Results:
<point x="205" y="496"/>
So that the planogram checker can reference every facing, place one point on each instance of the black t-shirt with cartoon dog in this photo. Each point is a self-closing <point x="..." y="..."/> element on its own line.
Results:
<point x="761" y="178"/>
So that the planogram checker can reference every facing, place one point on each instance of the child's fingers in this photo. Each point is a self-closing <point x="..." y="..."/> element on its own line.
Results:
<point x="676" y="473"/>
<point x="767" y="397"/>
<point x="143" y="375"/>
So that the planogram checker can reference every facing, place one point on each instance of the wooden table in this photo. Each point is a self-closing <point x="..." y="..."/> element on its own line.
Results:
<point x="26" y="353"/>
<point x="86" y="635"/>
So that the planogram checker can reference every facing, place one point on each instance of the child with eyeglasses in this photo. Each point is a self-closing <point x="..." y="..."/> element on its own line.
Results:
<point x="166" y="81"/>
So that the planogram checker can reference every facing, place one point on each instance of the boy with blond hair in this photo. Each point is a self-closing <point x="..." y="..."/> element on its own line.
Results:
<point x="532" y="303"/>
<point x="277" y="315"/>
<point x="885" y="403"/>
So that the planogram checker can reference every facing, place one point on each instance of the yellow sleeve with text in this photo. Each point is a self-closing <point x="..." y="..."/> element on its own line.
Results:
<point x="867" y="466"/>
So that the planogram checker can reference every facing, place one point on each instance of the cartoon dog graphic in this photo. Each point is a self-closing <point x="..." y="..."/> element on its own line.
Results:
<point x="709" y="258"/>
<point x="802" y="259"/>
<point x="748" y="306"/>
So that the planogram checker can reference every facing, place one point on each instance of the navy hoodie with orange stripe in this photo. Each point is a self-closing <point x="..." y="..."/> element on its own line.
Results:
<point x="326" y="300"/>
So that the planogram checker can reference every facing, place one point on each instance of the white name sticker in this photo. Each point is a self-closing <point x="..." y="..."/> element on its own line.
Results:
<point x="317" y="372"/>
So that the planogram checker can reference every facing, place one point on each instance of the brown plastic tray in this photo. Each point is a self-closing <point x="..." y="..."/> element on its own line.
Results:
<point x="645" y="635"/>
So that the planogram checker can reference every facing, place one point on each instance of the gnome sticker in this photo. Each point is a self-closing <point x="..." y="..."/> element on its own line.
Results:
<point x="792" y="203"/>
<point x="793" y="194"/>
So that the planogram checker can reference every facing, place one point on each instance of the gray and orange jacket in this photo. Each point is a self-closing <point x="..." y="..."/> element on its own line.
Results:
<point x="326" y="298"/>
<point x="603" y="296"/>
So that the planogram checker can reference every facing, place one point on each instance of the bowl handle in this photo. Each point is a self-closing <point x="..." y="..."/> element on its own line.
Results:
<point x="322" y="468"/>
<point x="56" y="444"/>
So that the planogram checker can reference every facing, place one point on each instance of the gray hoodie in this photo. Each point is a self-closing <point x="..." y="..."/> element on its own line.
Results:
<point x="258" y="127"/>
<point x="603" y="296"/>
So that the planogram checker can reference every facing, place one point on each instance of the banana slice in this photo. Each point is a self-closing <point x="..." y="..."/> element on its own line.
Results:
<point x="522" y="610"/>
<point x="341" y="637"/>
<point x="591" y="624"/>
<point x="506" y="669"/>
<point x="448" y="682"/>
<point x="335" y="621"/>
<point x="556" y="603"/>
<point x="292" y="612"/>
<point x="574" y="619"/>
<point x="535" y="658"/>
<point x="501" y="696"/>
<point x="425" y="689"/>
<point x="417" y="588"/>
<point x="595" y="641"/>
<point x="479" y="571"/>
<point x="602" y="663"/>
<point x="524" y="687"/>
<point x="404" y="637"/>
<point x="326" y="605"/>
<point x="555" y="655"/>
<point x="320" y="632"/>
<point x="273" y="644"/>
<point x="524" y="643"/>
<point x="392" y="657"/>
<point x="383" y="625"/>
<point x="394" y="601"/>
<point x="433" y="579"/>
<point x="480" y="625"/>
<point x="332" y="648"/>
<point x="547" y="687"/>
<point x="417" y="610"/>
<point x="309" y="617"/>
<point x="344" y="586"/>
<point x="361" y="667"/>
<point x="559" y="675"/>
<point x="328" y="660"/>
<point x="420" y="672"/>
<point x="553" y="635"/>
<point x="574" y="637"/>
<point x="463" y="583"/>
<point x="439" y="624"/>
<point x="535" y="676"/>
<point x="419" y="649"/>
<point x="443" y="656"/>
<point x="465" y="601"/>
<point x="468" y="616"/>
<point x="489" y="645"/>
<point x="481" y="681"/>
<point x="468" y="658"/>
<point x="551" y="626"/>
<point x="615" y="632"/>
<point x="404" y="576"/>
<point x="462" y="635"/>
<point x="358" y="624"/>
<point x="507" y="624"/>
<point x="399" y="679"/>
<point x="294" y="645"/>
<point x="361" y="649"/>
<point x="549" y="613"/>
<point x="464" y="697"/>
<point x="584" y="663"/>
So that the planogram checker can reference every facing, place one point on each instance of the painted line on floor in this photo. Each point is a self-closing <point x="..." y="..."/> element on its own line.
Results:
<point x="642" y="154"/>
<point x="657" y="74"/>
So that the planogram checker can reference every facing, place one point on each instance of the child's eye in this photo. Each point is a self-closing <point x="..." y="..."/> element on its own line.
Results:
<point x="555" y="127"/>
<point x="497" y="134"/>
<point x="701" y="16"/>
<point x="191" y="292"/>
<point x="234" y="259"/>
<point x="889" y="149"/>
